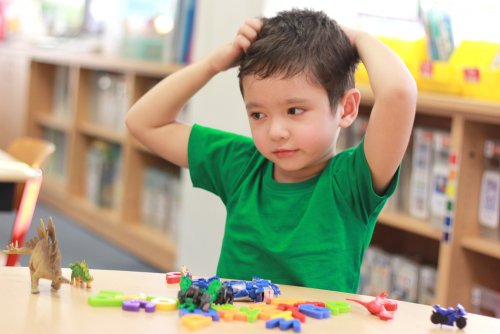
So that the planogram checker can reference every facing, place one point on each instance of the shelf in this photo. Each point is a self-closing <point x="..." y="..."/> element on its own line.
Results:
<point x="483" y="246"/>
<point x="407" y="223"/>
<point x="102" y="62"/>
<point x="158" y="249"/>
<point x="447" y="105"/>
<point x="52" y="122"/>
<point x="140" y="146"/>
<point x="101" y="132"/>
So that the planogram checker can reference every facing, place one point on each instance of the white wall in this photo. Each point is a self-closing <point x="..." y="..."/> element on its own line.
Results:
<point x="218" y="104"/>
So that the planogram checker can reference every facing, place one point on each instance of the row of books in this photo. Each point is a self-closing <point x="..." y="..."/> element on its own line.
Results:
<point x="109" y="100"/>
<point x="55" y="167"/>
<point x="489" y="201"/>
<point x="62" y="105"/>
<point x="399" y="276"/>
<point x="103" y="185"/>
<point x="182" y="45"/>
<point x="429" y="175"/>
<point x="485" y="301"/>
<point x="161" y="31"/>
<point x="160" y="200"/>
<point x="424" y="172"/>
<point x="160" y="190"/>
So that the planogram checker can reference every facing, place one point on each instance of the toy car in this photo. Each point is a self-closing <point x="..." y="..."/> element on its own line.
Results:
<point x="201" y="293"/>
<point x="449" y="316"/>
<point x="257" y="290"/>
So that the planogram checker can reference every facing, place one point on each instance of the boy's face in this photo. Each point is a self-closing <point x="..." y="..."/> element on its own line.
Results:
<point x="292" y="124"/>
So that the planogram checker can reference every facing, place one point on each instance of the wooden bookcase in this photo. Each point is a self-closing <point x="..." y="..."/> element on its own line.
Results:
<point x="66" y="192"/>
<point x="467" y="259"/>
<point x="464" y="261"/>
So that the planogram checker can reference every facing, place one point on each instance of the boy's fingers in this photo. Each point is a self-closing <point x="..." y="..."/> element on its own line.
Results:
<point x="248" y="32"/>
<point x="256" y="24"/>
<point x="242" y="42"/>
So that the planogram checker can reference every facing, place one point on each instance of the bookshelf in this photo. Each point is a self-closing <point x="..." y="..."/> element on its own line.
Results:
<point x="14" y="73"/>
<point x="81" y="137"/>
<point x="469" y="258"/>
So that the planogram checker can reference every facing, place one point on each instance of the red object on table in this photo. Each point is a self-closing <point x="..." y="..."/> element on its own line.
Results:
<point x="173" y="277"/>
<point x="24" y="214"/>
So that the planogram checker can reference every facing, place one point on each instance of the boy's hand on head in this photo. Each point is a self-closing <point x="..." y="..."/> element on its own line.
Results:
<point x="228" y="55"/>
<point x="351" y="34"/>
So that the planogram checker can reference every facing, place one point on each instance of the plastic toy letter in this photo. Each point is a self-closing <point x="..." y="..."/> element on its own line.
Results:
<point x="165" y="303"/>
<point x="338" y="307"/>
<point x="135" y="305"/>
<point x="106" y="298"/>
<point x="314" y="311"/>
<point x="195" y="321"/>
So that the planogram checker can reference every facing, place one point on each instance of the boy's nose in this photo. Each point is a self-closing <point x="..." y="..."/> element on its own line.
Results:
<point x="278" y="130"/>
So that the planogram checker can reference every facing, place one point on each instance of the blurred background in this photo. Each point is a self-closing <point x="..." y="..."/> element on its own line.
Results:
<point x="71" y="69"/>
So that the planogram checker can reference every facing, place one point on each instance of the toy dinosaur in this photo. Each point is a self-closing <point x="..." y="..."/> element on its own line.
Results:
<point x="45" y="260"/>
<point x="379" y="306"/>
<point x="80" y="274"/>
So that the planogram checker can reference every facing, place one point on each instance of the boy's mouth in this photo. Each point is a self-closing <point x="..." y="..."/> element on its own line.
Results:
<point x="283" y="153"/>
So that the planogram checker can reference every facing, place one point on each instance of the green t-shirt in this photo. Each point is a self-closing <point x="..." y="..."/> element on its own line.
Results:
<point x="312" y="233"/>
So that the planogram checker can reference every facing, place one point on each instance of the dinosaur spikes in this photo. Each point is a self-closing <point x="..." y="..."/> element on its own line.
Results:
<point x="51" y="229"/>
<point x="42" y="231"/>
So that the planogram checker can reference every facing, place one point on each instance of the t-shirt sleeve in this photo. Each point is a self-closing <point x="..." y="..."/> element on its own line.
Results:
<point x="355" y="182"/>
<point x="217" y="158"/>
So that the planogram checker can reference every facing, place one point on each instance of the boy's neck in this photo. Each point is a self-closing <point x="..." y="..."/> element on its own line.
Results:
<point x="296" y="176"/>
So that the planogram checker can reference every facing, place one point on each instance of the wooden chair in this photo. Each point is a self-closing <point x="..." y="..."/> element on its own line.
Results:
<point x="33" y="152"/>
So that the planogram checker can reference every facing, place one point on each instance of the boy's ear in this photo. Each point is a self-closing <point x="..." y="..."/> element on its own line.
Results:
<point x="349" y="105"/>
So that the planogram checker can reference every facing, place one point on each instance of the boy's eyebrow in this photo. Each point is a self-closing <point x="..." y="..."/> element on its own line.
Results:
<point x="290" y="101"/>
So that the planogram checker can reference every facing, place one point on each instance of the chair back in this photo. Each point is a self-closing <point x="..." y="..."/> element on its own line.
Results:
<point x="32" y="151"/>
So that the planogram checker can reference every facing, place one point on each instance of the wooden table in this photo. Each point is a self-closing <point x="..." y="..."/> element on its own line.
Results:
<point x="67" y="310"/>
<point x="13" y="171"/>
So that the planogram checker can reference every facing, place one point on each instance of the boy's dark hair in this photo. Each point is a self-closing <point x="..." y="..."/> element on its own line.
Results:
<point x="303" y="41"/>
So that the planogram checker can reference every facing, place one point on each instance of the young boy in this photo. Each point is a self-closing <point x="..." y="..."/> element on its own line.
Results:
<point x="297" y="212"/>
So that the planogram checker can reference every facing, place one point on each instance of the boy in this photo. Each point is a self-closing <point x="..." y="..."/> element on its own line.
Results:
<point x="297" y="213"/>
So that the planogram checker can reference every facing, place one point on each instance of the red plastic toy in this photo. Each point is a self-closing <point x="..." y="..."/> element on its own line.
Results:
<point x="380" y="306"/>
<point x="173" y="277"/>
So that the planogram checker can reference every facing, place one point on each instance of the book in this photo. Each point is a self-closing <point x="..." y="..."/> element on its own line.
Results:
<point x="160" y="196"/>
<point x="485" y="301"/>
<point x="420" y="181"/>
<point x="103" y="173"/>
<point x="489" y="198"/>
<point x="62" y="107"/>
<point x="427" y="285"/>
<point x="184" y="31"/>
<point x="55" y="167"/>
<point x="405" y="274"/>
<point x="380" y="273"/>
<point x="110" y="100"/>
<point x="439" y="177"/>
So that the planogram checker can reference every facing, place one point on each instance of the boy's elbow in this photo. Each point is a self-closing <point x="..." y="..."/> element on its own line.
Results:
<point x="413" y="89"/>
<point x="407" y="93"/>
<point x="130" y="123"/>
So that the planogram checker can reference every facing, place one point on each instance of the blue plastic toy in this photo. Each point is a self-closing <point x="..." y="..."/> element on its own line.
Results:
<point x="449" y="316"/>
<point x="257" y="290"/>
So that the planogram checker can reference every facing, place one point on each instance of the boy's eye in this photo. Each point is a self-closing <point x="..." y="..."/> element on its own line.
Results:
<point x="256" y="115"/>
<point x="295" y="111"/>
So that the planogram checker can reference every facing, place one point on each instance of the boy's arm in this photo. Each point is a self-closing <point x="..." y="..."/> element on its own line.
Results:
<point x="393" y="111"/>
<point x="153" y="118"/>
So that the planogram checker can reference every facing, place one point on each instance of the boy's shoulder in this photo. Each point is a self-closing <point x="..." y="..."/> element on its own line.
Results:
<point x="347" y="154"/>
<point x="210" y="143"/>
<point x="205" y="131"/>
